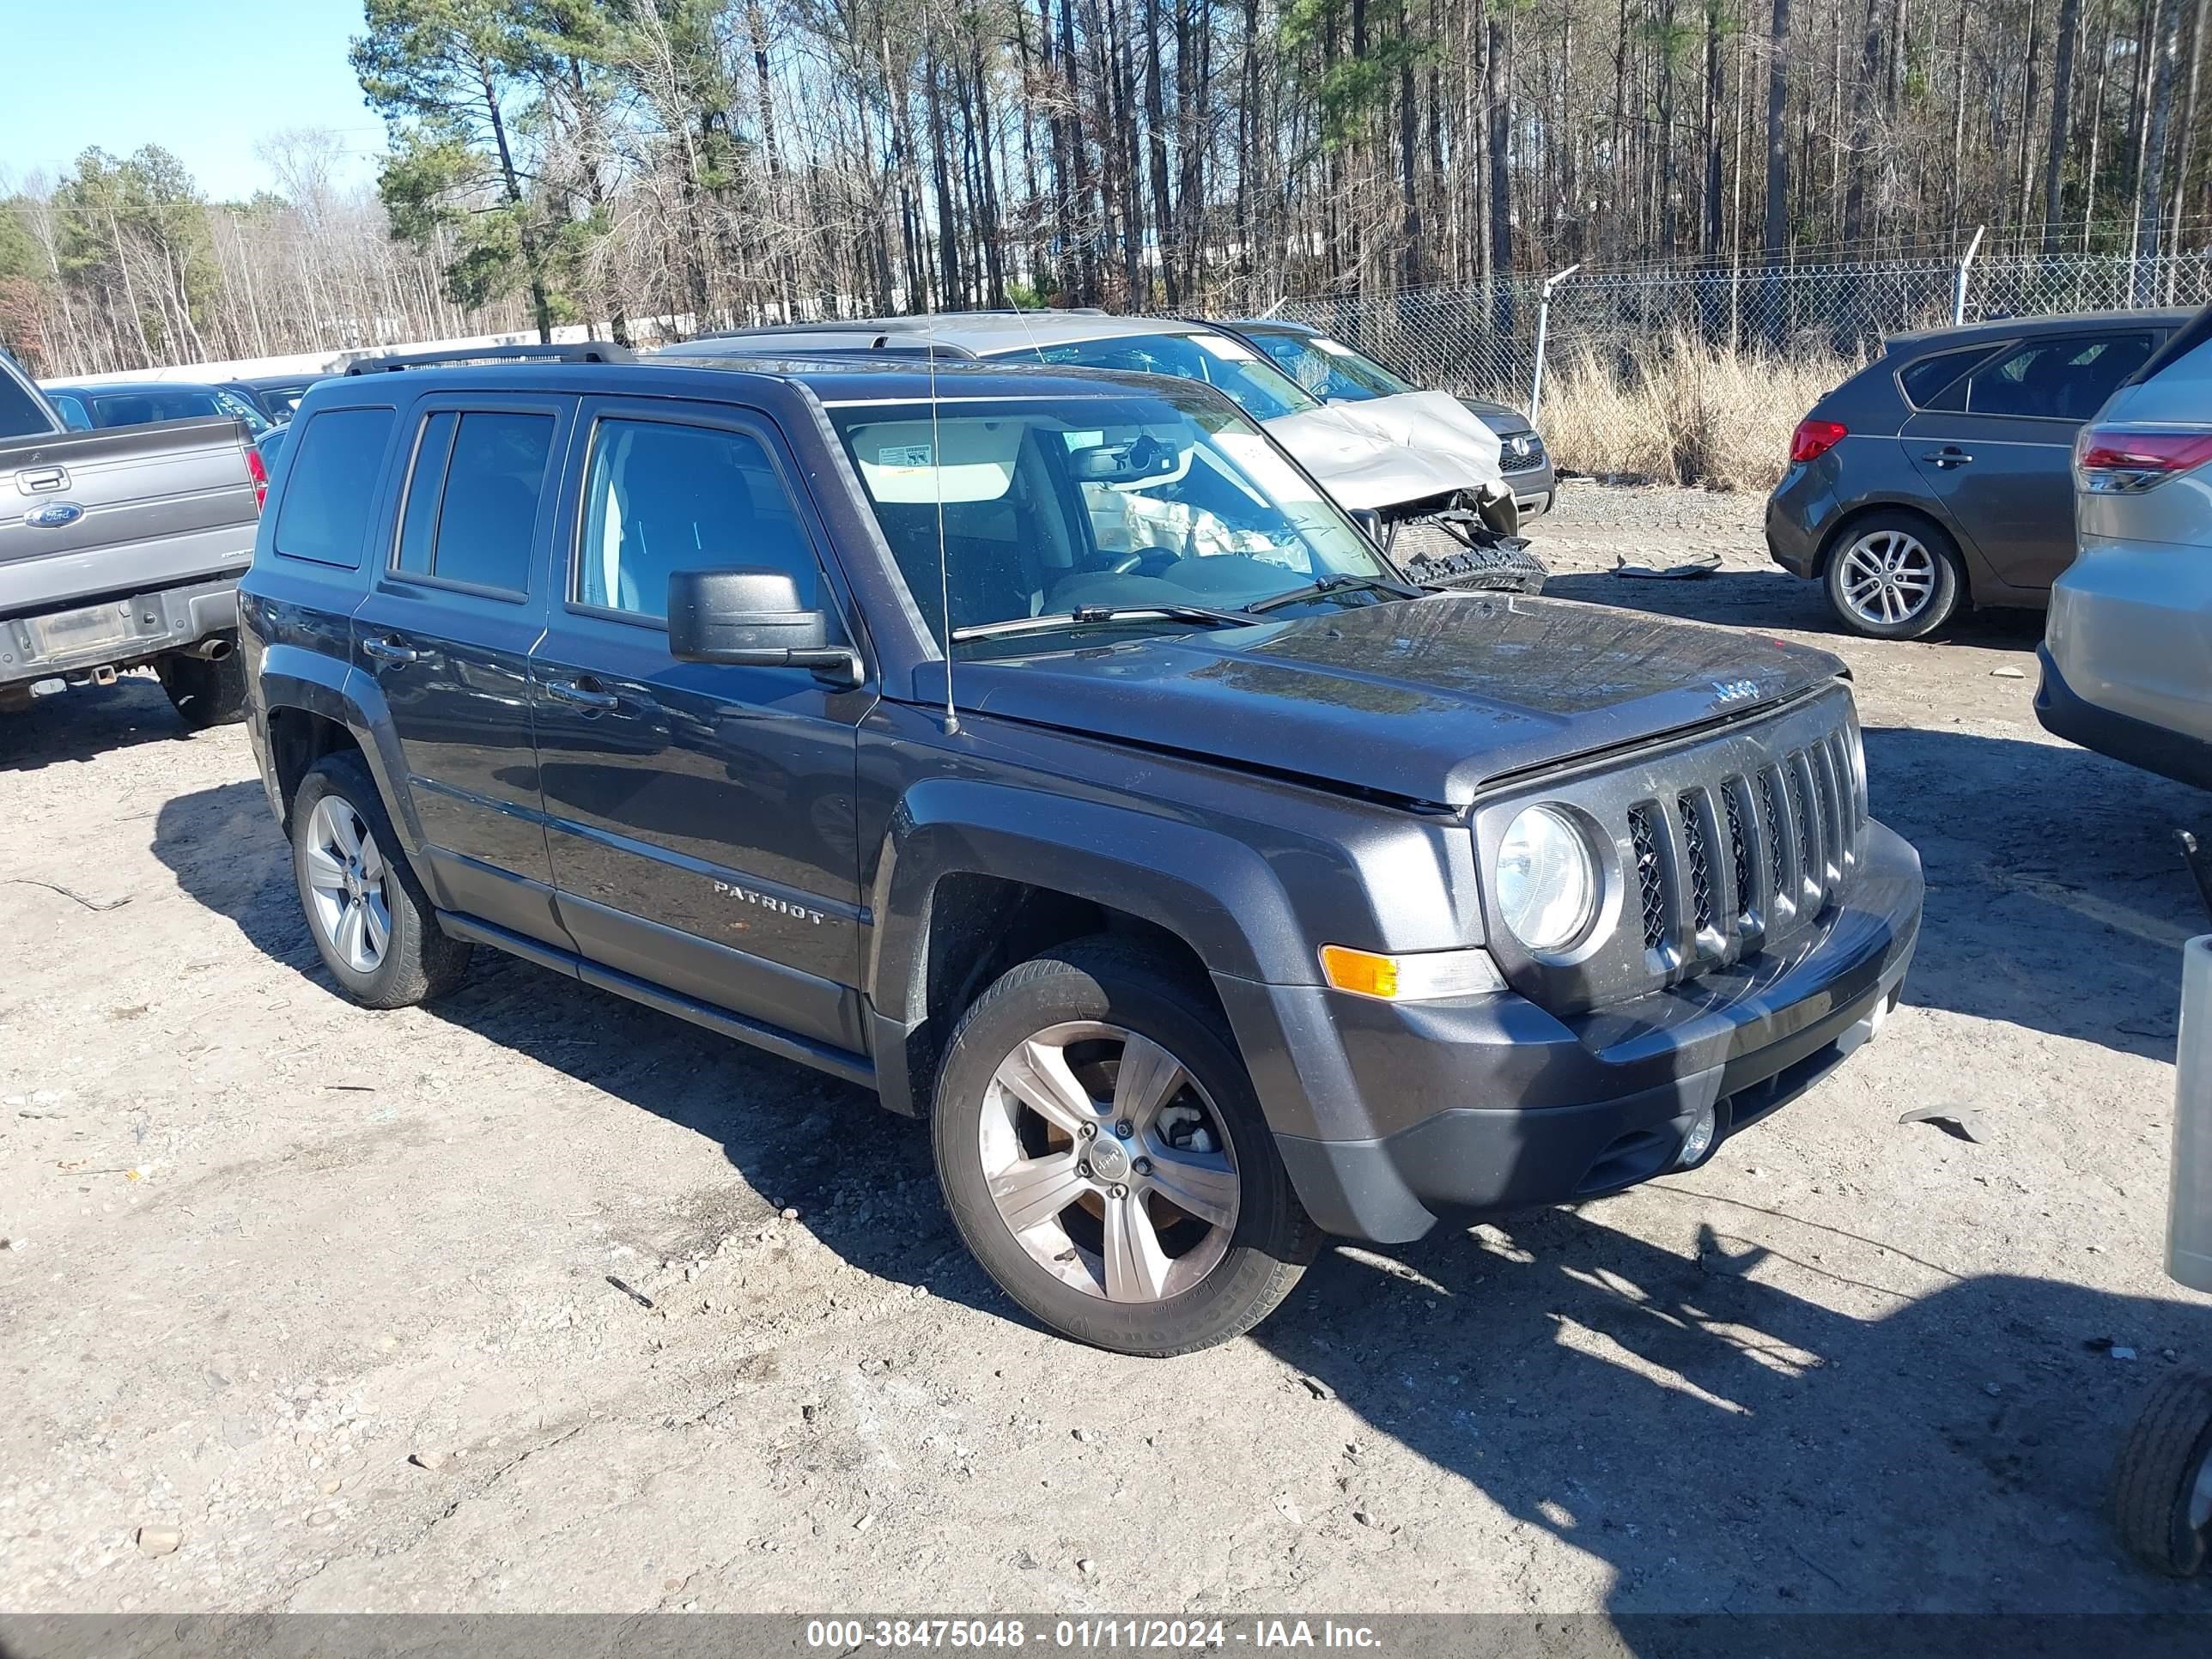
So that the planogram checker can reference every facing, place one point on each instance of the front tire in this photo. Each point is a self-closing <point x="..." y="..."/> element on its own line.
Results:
<point x="205" y="691"/>
<point x="373" y="925"/>
<point x="1894" y="575"/>
<point x="1103" y="1152"/>
<point x="2162" y="1481"/>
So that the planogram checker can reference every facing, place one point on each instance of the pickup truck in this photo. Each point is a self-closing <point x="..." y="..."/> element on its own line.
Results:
<point x="121" y="549"/>
<point x="1042" y="749"/>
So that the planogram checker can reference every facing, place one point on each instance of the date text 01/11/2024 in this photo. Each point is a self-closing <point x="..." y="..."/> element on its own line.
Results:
<point x="1196" y="1635"/>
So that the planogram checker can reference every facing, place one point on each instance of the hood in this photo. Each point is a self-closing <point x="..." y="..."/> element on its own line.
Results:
<point x="1437" y="425"/>
<point x="1362" y="469"/>
<point x="1422" y="699"/>
<point x="1500" y="418"/>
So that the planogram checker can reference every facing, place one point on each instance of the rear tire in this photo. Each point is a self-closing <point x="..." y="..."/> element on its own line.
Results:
<point x="373" y="925"/>
<point x="1894" y="575"/>
<point x="205" y="690"/>
<point x="1120" y="1264"/>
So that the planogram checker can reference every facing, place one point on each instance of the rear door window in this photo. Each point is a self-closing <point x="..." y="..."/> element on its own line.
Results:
<point x="2066" y="379"/>
<point x="473" y="495"/>
<point x="330" y="485"/>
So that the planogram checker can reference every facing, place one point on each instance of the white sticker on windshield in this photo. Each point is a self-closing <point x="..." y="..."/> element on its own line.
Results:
<point x="902" y="455"/>
<point x="1221" y="346"/>
<point x="1334" y="348"/>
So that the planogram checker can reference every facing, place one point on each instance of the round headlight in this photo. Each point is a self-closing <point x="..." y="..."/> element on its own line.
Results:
<point x="1546" y="879"/>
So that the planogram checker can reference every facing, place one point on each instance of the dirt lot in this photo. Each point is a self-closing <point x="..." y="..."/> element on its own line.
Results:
<point x="263" y="1246"/>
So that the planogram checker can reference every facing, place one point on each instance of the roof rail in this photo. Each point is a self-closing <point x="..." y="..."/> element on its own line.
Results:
<point x="584" y="351"/>
<point x="863" y="345"/>
<point x="886" y="347"/>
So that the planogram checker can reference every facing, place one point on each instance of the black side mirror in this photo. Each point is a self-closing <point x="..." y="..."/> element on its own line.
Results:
<point x="751" y="618"/>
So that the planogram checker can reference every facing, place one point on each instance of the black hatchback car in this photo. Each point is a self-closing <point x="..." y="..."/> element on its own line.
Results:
<point x="1941" y="474"/>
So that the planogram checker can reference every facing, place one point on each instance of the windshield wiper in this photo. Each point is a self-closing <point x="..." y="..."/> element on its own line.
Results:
<point x="1085" y="614"/>
<point x="1332" y="584"/>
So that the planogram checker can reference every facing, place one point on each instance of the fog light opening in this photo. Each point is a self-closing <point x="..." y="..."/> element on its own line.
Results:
<point x="1699" y="1141"/>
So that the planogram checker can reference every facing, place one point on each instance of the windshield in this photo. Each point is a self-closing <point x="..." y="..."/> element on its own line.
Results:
<point x="140" y="406"/>
<point x="1256" y="385"/>
<point x="1328" y="368"/>
<point x="1059" y="504"/>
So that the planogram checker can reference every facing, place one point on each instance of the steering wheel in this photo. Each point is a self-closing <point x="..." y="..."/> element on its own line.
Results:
<point x="1145" y="561"/>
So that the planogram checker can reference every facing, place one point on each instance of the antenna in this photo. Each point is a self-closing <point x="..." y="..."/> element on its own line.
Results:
<point x="936" y="448"/>
<point x="1029" y="333"/>
<point x="944" y="576"/>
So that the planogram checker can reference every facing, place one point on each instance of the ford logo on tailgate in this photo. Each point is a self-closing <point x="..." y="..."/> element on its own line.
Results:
<point x="54" y="516"/>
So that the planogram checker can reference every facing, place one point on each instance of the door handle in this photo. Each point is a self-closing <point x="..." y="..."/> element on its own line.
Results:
<point x="390" y="651"/>
<point x="1949" y="455"/>
<point x="581" y="697"/>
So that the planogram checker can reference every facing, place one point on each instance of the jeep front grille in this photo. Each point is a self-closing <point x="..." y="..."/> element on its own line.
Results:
<point x="1792" y="771"/>
<point x="1770" y="814"/>
<point x="1806" y="801"/>
<point x="1739" y="852"/>
<point x="1651" y="882"/>
<point x="1726" y="845"/>
<point x="1701" y="868"/>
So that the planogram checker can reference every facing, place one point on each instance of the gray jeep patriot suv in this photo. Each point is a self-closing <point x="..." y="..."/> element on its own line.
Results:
<point x="1044" y="750"/>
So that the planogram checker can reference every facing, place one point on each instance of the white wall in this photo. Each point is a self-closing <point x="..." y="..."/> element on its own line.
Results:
<point x="312" y="362"/>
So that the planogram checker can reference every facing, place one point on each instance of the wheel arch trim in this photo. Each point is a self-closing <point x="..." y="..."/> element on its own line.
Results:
<point x="1217" y="896"/>
<point x="294" y="678"/>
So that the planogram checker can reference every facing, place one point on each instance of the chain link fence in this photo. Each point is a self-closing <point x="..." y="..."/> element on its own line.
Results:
<point x="1696" y="375"/>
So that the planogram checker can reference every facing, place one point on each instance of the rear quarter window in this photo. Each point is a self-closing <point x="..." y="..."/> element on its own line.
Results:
<point x="1925" y="380"/>
<point x="330" y="486"/>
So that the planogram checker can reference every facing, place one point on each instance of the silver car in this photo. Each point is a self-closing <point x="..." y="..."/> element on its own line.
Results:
<point x="2127" y="652"/>
<point x="1374" y="468"/>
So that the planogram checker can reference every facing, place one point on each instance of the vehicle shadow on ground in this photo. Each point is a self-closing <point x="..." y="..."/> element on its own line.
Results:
<point x="1725" y="1445"/>
<point x="89" y="720"/>
<point x="1717" y="1441"/>
<point x="862" y="1178"/>
<point x="1774" y="598"/>
<point x="2056" y="897"/>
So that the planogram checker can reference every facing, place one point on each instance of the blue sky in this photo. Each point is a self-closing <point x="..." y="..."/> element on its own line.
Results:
<point x="203" y="80"/>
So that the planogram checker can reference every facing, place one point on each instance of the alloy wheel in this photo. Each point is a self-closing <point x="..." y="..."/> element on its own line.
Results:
<point x="346" y="877"/>
<point x="1888" y="577"/>
<point x="1108" y="1162"/>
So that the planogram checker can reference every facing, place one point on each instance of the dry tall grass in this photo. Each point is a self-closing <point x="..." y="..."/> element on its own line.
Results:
<point x="1689" y="414"/>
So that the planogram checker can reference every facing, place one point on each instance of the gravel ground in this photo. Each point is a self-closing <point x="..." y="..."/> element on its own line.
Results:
<point x="502" y="1305"/>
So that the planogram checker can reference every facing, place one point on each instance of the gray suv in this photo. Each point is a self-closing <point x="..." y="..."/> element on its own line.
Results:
<point x="1941" y="474"/>
<point x="1203" y="898"/>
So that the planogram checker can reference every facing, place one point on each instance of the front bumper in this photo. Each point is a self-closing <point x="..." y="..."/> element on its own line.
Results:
<point x="1535" y="490"/>
<point x="1390" y="1115"/>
